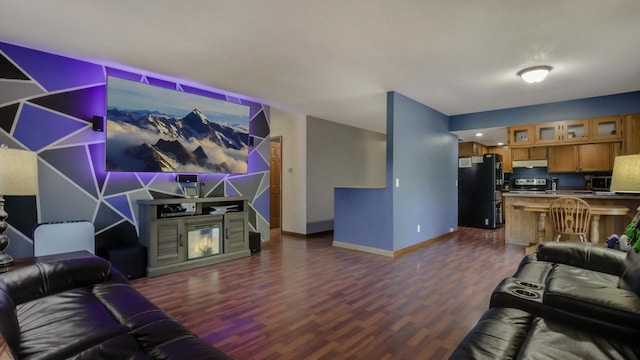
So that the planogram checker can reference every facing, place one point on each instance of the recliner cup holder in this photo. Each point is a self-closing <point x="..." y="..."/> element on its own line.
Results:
<point x="526" y="293"/>
<point x="529" y="284"/>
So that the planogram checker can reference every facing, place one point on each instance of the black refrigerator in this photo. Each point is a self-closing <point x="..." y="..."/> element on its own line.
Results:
<point x="480" y="181"/>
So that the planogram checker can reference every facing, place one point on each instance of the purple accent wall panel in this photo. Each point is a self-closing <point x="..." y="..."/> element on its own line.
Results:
<point x="161" y="83"/>
<point x="38" y="128"/>
<point x="192" y="90"/>
<point x="261" y="204"/>
<point x="257" y="163"/>
<point x="54" y="72"/>
<point x="82" y="103"/>
<point x="121" y="203"/>
<point x="123" y="74"/>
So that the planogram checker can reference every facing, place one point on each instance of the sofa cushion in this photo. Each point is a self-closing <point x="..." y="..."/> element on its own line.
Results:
<point x="64" y="324"/>
<point x="41" y="279"/>
<point x="594" y="302"/>
<point x="630" y="279"/>
<point x="585" y="256"/>
<point x="551" y="340"/>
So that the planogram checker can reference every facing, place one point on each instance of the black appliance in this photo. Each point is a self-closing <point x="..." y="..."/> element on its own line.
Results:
<point x="480" y="180"/>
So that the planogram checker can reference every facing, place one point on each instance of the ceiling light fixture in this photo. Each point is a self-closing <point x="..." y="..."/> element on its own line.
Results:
<point x="534" y="74"/>
<point x="478" y="134"/>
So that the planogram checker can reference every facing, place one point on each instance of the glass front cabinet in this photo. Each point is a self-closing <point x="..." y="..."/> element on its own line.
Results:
<point x="521" y="135"/>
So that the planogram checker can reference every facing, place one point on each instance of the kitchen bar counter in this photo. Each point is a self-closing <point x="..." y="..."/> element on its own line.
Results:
<point x="583" y="194"/>
<point x="522" y="223"/>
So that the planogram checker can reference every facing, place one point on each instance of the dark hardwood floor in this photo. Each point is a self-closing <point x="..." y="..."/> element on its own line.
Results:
<point x="304" y="299"/>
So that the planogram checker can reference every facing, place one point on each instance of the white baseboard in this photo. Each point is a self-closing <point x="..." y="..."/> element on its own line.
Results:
<point x="363" y="248"/>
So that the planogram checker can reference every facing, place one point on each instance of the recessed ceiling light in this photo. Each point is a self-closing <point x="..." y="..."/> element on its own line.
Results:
<point x="500" y="144"/>
<point x="478" y="134"/>
<point x="534" y="74"/>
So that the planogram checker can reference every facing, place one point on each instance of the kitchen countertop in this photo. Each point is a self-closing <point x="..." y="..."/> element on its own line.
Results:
<point x="577" y="193"/>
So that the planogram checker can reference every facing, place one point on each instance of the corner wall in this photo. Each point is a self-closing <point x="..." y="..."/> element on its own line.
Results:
<point x="293" y="129"/>
<point x="46" y="104"/>
<point x="337" y="156"/>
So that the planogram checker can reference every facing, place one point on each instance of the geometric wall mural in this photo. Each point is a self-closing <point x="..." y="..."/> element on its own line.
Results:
<point x="46" y="105"/>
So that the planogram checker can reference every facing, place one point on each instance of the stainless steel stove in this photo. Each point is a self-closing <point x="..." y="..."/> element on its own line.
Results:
<point x="529" y="186"/>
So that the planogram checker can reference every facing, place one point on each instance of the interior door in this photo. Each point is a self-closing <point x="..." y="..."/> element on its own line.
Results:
<point x="276" y="170"/>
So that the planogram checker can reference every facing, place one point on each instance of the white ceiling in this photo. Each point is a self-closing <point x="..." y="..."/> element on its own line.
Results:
<point x="336" y="59"/>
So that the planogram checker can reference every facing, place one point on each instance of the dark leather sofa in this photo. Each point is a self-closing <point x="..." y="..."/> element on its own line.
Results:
<point x="567" y="301"/>
<point x="82" y="308"/>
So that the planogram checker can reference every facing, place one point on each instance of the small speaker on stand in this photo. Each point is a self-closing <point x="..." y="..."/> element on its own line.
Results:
<point x="97" y="123"/>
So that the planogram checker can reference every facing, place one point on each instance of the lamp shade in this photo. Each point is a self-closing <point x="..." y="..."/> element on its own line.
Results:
<point x="626" y="174"/>
<point x="18" y="172"/>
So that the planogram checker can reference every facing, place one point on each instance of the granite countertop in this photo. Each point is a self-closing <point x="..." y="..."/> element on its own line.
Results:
<point x="586" y="194"/>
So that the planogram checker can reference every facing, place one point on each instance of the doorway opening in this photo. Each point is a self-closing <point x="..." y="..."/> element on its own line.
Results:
<point x="275" y="211"/>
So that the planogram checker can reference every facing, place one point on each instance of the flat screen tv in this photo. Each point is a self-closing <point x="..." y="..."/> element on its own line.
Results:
<point x="154" y="129"/>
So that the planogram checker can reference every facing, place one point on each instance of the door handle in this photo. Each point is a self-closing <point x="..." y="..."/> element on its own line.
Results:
<point x="226" y="232"/>
<point x="180" y="240"/>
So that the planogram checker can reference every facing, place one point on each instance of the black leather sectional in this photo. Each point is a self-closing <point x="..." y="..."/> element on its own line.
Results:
<point x="567" y="301"/>
<point x="82" y="308"/>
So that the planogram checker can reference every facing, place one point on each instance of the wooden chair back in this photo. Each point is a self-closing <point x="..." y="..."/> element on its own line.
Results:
<point x="570" y="216"/>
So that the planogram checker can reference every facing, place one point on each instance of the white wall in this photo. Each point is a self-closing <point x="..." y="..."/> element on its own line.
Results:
<point x="293" y="129"/>
<point x="339" y="156"/>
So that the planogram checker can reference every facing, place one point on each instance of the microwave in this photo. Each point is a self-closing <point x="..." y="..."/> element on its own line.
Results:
<point x="600" y="183"/>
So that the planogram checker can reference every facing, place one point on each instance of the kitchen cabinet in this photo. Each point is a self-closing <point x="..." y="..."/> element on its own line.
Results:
<point x="631" y="135"/>
<point x="547" y="133"/>
<point x="574" y="131"/>
<point x="521" y="135"/>
<point x="506" y="157"/>
<point x="470" y="148"/>
<point x="608" y="128"/>
<point x="582" y="158"/>
<point x="535" y="153"/>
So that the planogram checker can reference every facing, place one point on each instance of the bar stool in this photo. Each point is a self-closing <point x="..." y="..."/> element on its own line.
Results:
<point x="570" y="216"/>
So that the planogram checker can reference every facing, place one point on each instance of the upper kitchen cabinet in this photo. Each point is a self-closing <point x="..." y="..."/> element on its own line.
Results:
<point x="632" y="134"/>
<point x="574" y="131"/>
<point x="470" y="148"/>
<point x="583" y="158"/>
<point x="506" y="157"/>
<point x="547" y="133"/>
<point x="521" y="135"/>
<point x="534" y="153"/>
<point x="608" y="128"/>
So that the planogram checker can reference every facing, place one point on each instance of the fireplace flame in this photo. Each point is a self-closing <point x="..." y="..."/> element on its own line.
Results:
<point x="205" y="244"/>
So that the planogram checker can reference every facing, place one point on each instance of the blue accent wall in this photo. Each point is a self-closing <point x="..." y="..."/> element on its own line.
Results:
<point x="425" y="160"/>
<point x="422" y="154"/>
<point x="626" y="103"/>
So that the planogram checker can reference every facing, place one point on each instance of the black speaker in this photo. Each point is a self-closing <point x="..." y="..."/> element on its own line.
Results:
<point x="187" y="178"/>
<point x="254" y="241"/>
<point x="98" y="123"/>
<point x="130" y="260"/>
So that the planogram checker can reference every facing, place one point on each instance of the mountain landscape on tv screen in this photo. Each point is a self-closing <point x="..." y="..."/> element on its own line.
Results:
<point x="150" y="141"/>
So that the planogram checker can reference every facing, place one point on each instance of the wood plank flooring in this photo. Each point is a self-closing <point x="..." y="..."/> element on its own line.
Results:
<point x="304" y="299"/>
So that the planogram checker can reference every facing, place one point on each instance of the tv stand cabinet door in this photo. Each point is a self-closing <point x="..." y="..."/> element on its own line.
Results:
<point x="167" y="243"/>
<point x="235" y="233"/>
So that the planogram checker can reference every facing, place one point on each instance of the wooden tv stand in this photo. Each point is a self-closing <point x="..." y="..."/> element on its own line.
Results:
<point x="168" y="227"/>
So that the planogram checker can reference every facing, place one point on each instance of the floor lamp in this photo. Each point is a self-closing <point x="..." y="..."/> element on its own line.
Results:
<point x="18" y="176"/>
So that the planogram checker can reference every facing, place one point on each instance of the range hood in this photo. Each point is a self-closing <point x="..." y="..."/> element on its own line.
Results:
<point x="529" y="163"/>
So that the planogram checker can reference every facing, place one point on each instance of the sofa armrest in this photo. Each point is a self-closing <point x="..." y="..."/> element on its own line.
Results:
<point x="586" y="256"/>
<point x="46" y="278"/>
